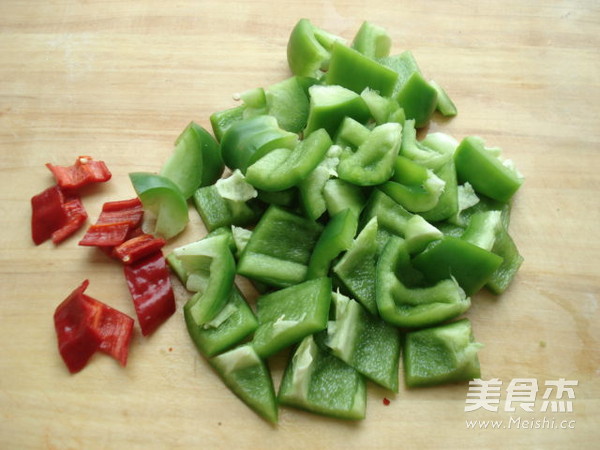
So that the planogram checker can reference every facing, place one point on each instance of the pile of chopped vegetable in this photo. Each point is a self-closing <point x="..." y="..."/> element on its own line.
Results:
<point x="364" y="242"/>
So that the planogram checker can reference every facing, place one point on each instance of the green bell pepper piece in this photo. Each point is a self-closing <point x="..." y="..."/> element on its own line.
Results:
<point x="311" y="188"/>
<point x="319" y="382"/>
<point x="196" y="160"/>
<point x="372" y="163"/>
<point x="372" y="41"/>
<point x="472" y="266"/>
<point x="212" y="259"/>
<point x="416" y="198"/>
<point x="279" y="249"/>
<point x="419" y="233"/>
<point x="234" y="322"/>
<point x="364" y="342"/>
<point x="286" y="316"/>
<point x="283" y="168"/>
<point x="161" y="197"/>
<point x="484" y="170"/>
<point x="404" y="64"/>
<point x="340" y="195"/>
<point x="506" y="248"/>
<point x="351" y="133"/>
<point x="288" y="102"/>
<point x="418" y="99"/>
<point x="483" y="228"/>
<point x="355" y="71"/>
<point x="383" y="109"/>
<point x="288" y="198"/>
<point x="337" y="236"/>
<point x="308" y="49"/>
<point x="413" y="307"/>
<point x="442" y="354"/>
<point x="444" y="105"/>
<point x="227" y="202"/>
<point x="247" y="140"/>
<point x="357" y="268"/>
<point x="329" y="105"/>
<point x="220" y="121"/>
<point x="248" y="377"/>
<point x="390" y="215"/>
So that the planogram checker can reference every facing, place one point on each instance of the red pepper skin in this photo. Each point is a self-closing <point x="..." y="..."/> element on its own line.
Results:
<point x="78" y="340"/>
<point x="85" y="171"/>
<point x="105" y="235"/>
<point x="115" y="225"/>
<point x="48" y="214"/>
<point x="150" y="286"/>
<point x="130" y="211"/>
<point x="85" y="325"/>
<point x="137" y="248"/>
<point x="76" y="217"/>
<point x="115" y="329"/>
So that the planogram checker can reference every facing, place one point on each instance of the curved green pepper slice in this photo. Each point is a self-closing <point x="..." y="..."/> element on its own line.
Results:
<point x="372" y="40"/>
<point x="164" y="199"/>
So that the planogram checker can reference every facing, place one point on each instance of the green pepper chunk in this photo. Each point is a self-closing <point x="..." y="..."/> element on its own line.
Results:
<point x="442" y="354"/>
<point x="329" y="105"/>
<point x="247" y="140"/>
<point x="283" y="168"/>
<point x="279" y="249"/>
<point x="372" y="163"/>
<point x="308" y="49"/>
<point x="220" y="121"/>
<point x="355" y="71"/>
<point x="319" y="382"/>
<point x="212" y="262"/>
<point x="288" y="102"/>
<point x="196" y="160"/>
<point x="164" y="200"/>
<point x="337" y="237"/>
<point x="248" y="377"/>
<point x="364" y="342"/>
<point x="472" y="266"/>
<point x="286" y="316"/>
<point x="417" y="306"/>
<point x="444" y="105"/>
<point x="372" y="41"/>
<point x="340" y="195"/>
<point x="233" y="323"/>
<point x="418" y="99"/>
<point x="485" y="171"/>
<point x="356" y="269"/>
<point x="404" y="64"/>
<point x="505" y="247"/>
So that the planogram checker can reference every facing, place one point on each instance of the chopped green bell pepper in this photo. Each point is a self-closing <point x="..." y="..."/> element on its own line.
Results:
<point x="443" y="354"/>
<point x="286" y="316"/>
<point x="283" y="168"/>
<point x="372" y="41"/>
<point x="247" y="140"/>
<point x="485" y="171"/>
<point x="248" y="377"/>
<point x="372" y="163"/>
<point x="317" y="381"/>
<point x="337" y="236"/>
<point x="505" y="247"/>
<point x="340" y="195"/>
<point x="279" y="249"/>
<point x="418" y="99"/>
<point x="288" y="102"/>
<point x="472" y="266"/>
<point x="329" y="105"/>
<point x="220" y="121"/>
<point x="355" y="71"/>
<point x="444" y="105"/>
<point x="161" y="197"/>
<point x="413" y="307"/>
<point x="404" y="64"/>
<point x="357" y="268"/>
<point x="364" y="342"/>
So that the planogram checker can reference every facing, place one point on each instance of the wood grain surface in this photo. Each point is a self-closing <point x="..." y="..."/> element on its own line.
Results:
<point x="119" y="80"/>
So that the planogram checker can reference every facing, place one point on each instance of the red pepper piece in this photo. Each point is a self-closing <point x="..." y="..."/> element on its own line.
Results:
<point x="85" y="171"/>
<point x="48" y="214"/>
<point x="150" y="286"/>
<point x="115" y="329"/>
<point x="138" y="247"/>
<point x="76" y="217"/>
<point x="78" y="340"/>
<point x="105" y="235"/>
<point x="85" y="325"/>
<point x="130" y="211"/>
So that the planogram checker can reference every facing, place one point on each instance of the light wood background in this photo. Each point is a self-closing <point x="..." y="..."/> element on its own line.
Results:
<point x="119" y="80"/>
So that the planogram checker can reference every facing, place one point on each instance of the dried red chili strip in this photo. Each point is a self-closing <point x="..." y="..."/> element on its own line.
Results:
<point x="85" y="171"/>
<point x="150" y="287"/>
<point x="76" y="217"/>
<point x="138" y="247"/>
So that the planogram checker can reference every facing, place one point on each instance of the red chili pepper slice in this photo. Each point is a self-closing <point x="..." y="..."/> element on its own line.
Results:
<point x="85" y="325"/>
<point x="115" y="224"/>
<point x="138" y="247"/>
<point x="55" y="215"/>
<point x="105" y="235"/>
<point x="150" y="286"/>
<point x="85" y="171"/>
<point x="130" y="211"/>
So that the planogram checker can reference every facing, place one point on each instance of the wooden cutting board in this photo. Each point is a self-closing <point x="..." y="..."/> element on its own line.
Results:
<point x="120" y="80"/>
